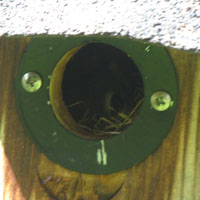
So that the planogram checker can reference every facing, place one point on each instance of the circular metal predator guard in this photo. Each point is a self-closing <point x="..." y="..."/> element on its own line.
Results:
<point x="96" y="156"/>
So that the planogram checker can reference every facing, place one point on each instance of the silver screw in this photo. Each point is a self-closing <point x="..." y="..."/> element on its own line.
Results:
<point x="161" y="101"/>
<point x="31" y="82"/>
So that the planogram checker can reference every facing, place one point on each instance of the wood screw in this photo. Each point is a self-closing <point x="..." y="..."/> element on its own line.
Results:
<point x="161" y="101"/>
<point x="31" y="82"/>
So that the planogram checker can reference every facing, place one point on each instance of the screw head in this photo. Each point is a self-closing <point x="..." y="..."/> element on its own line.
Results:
<point x="161" y="101"/>
<point x="31" y="82"/>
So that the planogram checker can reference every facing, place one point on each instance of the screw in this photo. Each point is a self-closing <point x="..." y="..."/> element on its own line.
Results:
<point x="31" y="82"/>
<point x="161" y="101"/>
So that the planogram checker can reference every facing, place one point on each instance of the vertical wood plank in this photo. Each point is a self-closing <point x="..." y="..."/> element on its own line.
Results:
<point x="19" y="155"/>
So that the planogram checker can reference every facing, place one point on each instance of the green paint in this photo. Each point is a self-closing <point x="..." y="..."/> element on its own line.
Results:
<point x="73" y="152"/>
<point x="147" y="49"/>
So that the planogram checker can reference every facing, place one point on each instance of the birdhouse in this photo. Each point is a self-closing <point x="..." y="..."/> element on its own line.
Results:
<point x="99" y="100"/>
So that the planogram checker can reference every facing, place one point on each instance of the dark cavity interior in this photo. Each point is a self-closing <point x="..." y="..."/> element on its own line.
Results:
<point x="102" y="89"/>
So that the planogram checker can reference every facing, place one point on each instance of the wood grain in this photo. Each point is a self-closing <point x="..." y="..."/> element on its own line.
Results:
<point x="170" y="173"/>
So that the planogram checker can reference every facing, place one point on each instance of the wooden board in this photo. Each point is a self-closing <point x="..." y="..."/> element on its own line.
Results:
<point x="171" y="173"/>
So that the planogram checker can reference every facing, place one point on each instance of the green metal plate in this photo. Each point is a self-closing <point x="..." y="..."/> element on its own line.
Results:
<point x="96" y="156"/>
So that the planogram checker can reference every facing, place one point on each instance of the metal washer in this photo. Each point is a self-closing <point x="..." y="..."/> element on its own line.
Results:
<point x="94" y="156"/>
